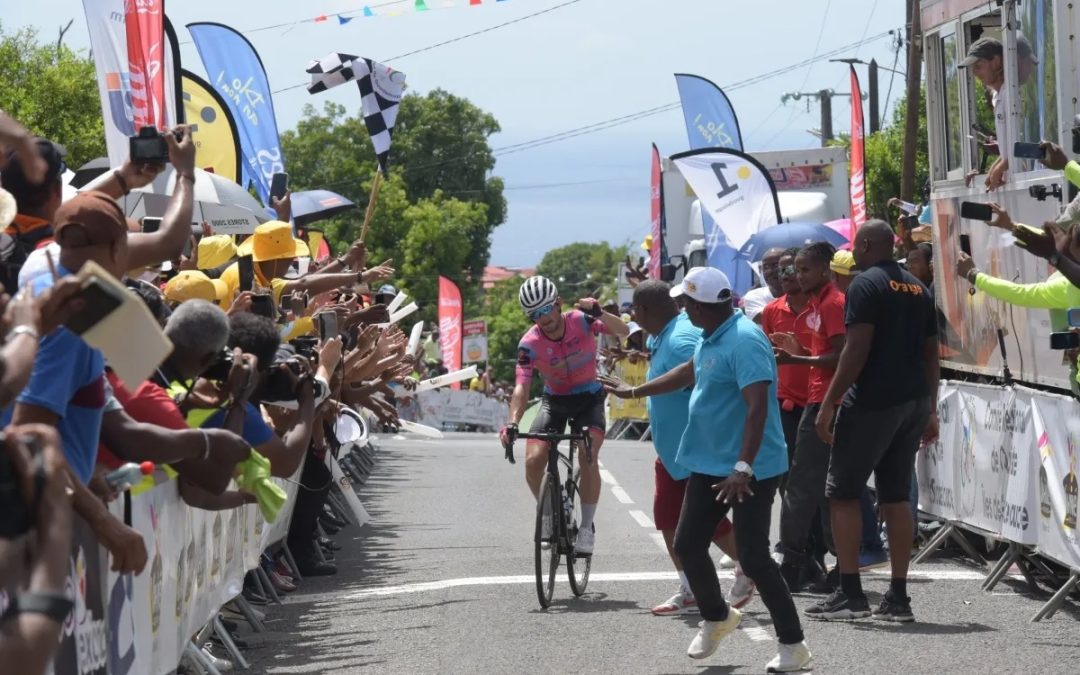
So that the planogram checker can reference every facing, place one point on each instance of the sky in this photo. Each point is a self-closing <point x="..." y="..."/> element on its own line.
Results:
<point x="577" y="65"/>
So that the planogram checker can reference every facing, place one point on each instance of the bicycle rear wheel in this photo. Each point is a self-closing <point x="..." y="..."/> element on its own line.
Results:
<point x="547" y="559"/>
<point x="577" y="567"/>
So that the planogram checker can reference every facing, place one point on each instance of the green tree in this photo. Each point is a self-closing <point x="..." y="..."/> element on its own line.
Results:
<point x="52" y="92"/>
<point x="581" y="269"/>
<point x="506" y="323"/>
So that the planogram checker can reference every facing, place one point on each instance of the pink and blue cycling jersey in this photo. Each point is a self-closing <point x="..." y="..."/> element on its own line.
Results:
<point x="568" y="366"/>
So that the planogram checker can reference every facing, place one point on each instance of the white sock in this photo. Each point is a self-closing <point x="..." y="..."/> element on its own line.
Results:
<point x="685" y="584"/>
<point x="587" y="513"/>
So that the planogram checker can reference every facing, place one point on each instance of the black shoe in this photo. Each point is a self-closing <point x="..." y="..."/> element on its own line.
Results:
<point x="894" y="609"/>
<point x="794" y="575"/>
<point x="329" y="517"/>
<point x="827" y="583"/>
<point x="329" y="544"/>
<point x="839" y="607"/>
<point x="316" y="568"/>
<point x="255" y="598"/>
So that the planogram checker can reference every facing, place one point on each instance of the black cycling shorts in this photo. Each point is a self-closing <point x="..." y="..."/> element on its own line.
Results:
<point x="583" y="411"/>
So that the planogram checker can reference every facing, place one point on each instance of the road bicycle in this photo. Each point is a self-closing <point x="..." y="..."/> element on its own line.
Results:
<point x="561" y="503"/>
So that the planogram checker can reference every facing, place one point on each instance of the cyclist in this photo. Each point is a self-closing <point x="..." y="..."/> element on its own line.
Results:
<point x="563" y="348"/>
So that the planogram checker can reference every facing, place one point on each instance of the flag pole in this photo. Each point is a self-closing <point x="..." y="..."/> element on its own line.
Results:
<point x="371" y="204"/>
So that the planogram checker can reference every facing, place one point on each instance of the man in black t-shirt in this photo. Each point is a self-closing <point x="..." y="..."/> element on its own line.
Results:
<point x="888" y="379"/>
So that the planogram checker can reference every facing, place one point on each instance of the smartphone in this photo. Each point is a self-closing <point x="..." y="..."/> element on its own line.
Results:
<point x="151" y="225"/>
<point x="1074" y="317"/>
<point x="247" y="273"/>
<point x="965" y="244"/>
<point x="187" y="248"/>
<point x="976" y="211"/>
<point x="99" y="301"/>
<point x="263" y="305"/>
<point x="148" y="147"/>
<point x="279" y="185"/>
<point x="1027" y="150"/>
<point x="1066" y="340"/>
<point x="328" y="327"/>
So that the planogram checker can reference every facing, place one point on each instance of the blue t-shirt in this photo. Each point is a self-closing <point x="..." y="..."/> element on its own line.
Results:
<point x="68" y="380"/>
<point x="668" y="413"/>
<point x="256" y="431"/>
<point x="735" y="356"/>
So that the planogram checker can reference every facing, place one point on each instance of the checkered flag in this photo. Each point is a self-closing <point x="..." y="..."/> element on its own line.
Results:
<point x="380" y="90"/>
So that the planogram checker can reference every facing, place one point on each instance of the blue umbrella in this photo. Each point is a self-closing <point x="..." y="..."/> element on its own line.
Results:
<point x="309" y="206"/>
<point x="789" y="235"/>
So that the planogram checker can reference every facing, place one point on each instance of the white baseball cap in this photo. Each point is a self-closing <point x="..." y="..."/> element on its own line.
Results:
<point x="704" y="284"/>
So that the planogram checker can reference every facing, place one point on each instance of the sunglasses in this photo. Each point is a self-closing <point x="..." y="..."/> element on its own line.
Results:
<point x="788" y="271"/>
<point x="541" y="312"/>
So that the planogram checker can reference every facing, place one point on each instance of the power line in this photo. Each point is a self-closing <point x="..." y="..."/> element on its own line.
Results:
<point x="458" y="38"/>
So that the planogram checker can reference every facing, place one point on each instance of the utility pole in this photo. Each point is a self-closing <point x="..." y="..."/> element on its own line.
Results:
<point x="911" y="126"/>
<point x="824" y="97"/>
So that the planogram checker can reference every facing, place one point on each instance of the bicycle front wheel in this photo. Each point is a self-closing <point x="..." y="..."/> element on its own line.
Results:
<point x="547" y="539"/>
<point x="577" y="567"/>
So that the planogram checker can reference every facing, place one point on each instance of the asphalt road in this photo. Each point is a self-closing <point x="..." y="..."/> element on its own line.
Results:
<point x="441" y="582"/>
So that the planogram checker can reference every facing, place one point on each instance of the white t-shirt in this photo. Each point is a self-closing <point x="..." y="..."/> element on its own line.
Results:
<point x="998" y="102"/>
<point x="755" y="300"/>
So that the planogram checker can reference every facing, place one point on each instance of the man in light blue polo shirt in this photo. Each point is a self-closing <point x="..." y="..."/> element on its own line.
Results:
<point x="734" y="448"/>
<point x="672" y="342"/>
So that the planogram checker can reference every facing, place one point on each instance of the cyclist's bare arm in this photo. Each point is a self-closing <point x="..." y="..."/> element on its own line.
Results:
<point x="518" y="401"/>
<point x="615" y="325"/>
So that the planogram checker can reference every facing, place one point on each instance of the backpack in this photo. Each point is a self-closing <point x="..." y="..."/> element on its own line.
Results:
<point x="14" y="250"/>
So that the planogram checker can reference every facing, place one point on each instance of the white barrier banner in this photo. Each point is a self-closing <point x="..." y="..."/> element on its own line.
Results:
<point x="1006" y="463"/>
<point x="447" y="406"/>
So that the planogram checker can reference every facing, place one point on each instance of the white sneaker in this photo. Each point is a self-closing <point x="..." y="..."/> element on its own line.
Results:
<point x="742" y="591"/>
<point x="726" y="563"/>
<point x="711" y="633"/>
<point x="790" y="659"/>
<point x="545" y="532"/>
<point x="583" y="545"/>
<point x="682" y="602"/>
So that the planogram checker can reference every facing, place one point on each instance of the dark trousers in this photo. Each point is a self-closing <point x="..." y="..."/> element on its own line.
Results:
<point x="804" y="504"/>
<point x="314" y="486"/>
<point x="789" y="421"/>
<point x="752" y="517"/>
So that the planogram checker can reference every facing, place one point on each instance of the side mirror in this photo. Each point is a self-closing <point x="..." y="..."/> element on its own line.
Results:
<point x="668" y="272"/>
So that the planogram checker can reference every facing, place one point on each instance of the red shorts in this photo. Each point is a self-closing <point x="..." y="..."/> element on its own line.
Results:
<point x="668" y="499"/>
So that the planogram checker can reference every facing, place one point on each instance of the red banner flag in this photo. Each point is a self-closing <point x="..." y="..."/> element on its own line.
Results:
<point x="858" y="156"/>
<point x="657" y="213"/>
<point x="144" y="23"/>
<point x="450" y="320"/>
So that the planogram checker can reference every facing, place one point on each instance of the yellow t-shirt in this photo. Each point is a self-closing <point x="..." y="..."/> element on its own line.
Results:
<point x="231" y="277"/>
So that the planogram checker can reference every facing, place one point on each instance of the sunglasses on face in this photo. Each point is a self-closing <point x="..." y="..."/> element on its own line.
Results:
<point x="541" y="312"/>
<point x="788" y="271"/>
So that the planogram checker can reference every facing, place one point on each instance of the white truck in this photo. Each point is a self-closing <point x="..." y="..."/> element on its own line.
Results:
<point x="812" y="186"/>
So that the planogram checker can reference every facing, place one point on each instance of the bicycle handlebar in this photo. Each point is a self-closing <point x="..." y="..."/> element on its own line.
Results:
<point x="582" y="436"/>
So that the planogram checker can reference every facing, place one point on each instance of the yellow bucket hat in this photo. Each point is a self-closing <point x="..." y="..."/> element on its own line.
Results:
<point x="194" y="285"/>
<point x="842" y="263"/>
<point x="215" y="251"/>
<point x="273" y="241"/>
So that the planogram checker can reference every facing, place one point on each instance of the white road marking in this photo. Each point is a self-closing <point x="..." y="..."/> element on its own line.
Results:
<point x="754" y="630"/>
<point x="606" y="477"/>
<point x="658" y="539"/>
<point x="642" y="519"/>
<point x="621" y="495"/>
<point x="443" y="584"/>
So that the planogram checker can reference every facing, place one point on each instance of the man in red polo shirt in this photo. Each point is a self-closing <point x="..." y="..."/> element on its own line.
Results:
<point x="823" y="317"/>
<point x="779" y="321"/>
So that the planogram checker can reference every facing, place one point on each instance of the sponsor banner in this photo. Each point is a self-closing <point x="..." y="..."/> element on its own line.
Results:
<point x="858" y="155"/>
<point x="1006" y="463"/>
<point x="213" y="129"/>
<point x="633" y="374"/>
<point x="474" y="344"/>
<point x="450" y="313"/>
<point x="447" y="406"/>
<point x="656" y="210"/>
<point x="710" y="118"/>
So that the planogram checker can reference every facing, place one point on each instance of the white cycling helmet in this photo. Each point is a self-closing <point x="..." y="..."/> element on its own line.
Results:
<point x="537" y="292"/>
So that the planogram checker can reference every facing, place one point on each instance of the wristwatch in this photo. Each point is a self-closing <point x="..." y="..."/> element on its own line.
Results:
<point x="744" y="468"/>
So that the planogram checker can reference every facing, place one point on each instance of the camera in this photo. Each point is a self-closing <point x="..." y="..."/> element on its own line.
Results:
<point x="220" y="369"/>
<point x="148" y="146"/>
<point x="305" y="346"/>
<point x="17" y="519"/>
<point x="281" y="385"/>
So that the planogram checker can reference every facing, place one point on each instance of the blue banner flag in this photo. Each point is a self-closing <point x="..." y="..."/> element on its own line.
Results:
<point x="710" y="119"/>
<point x="235" y="71"/>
